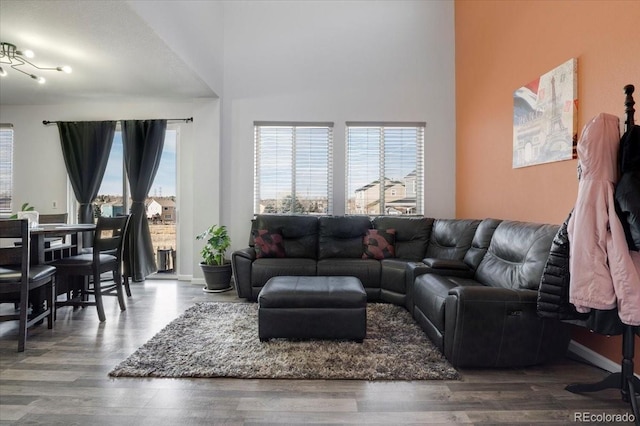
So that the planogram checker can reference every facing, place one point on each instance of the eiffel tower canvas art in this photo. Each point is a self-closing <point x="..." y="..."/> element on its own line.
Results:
<point x="545" y="117"/>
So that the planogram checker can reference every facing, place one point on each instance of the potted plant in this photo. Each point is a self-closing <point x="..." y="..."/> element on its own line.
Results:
<point x="25" y="208"/>
<point x="216" y="269"/>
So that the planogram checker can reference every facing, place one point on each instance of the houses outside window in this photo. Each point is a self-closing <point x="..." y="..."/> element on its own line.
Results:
<point x="6" y="167"/>
<point x="385" y="173"/>
<point x="161" y="203"/>
<point x="293" y="167"/>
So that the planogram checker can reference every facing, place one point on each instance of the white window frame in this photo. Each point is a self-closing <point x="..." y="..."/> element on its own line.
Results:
<point x="384" y="128"/>
<point x="6" y="166"/>
<point x="292" y="132"/>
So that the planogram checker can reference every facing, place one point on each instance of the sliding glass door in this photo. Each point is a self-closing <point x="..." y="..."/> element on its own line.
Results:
<point x="161" y="203"/>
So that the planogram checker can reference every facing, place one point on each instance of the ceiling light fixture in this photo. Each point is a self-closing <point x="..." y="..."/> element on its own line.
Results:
<point x="10" y="55"/>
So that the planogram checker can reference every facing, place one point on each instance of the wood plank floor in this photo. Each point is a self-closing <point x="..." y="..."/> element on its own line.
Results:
<point x="62" y="379"/>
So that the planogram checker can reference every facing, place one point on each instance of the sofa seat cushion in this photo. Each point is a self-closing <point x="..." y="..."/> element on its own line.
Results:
<point x="265" y="268"/>
<point x="367" y="270"/>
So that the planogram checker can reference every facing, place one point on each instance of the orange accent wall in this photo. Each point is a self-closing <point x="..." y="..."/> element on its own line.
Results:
<point x="502" y="45"/>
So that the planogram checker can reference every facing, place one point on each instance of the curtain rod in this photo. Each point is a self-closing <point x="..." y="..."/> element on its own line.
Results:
<point x="186" y="120"/>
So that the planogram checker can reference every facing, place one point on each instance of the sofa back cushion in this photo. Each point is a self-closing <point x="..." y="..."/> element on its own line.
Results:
<point x="342" y="236"/>
<point x="412" y="235"/>
<point x="516" y="256"/>
<point x="299" y="233"/>
<point x="480" y="243"/>
<point x="451" y="238"/>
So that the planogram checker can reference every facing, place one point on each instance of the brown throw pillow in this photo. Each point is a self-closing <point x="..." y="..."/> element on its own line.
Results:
<point x="379" y="244"/>
<point x="268" y="243"/>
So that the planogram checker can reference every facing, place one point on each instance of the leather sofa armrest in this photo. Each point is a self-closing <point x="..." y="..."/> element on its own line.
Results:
<point x="415" y="269"/>
<point x="241" y="263"/>
<point x="248" y="253"/>
<point x="487" y="294"/>
<point x="446" y="267"/>
<point x="499" y="327"/>
<point x="412" y="270"/>
<point x="436" y="263"/>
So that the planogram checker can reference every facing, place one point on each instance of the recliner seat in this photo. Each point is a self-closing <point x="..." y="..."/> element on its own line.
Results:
<point x="490" y="318"/>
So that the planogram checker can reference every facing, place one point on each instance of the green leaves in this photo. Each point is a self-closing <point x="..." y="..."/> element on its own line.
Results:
<point x="25" y="208"/>
<point x="217" y="242"/>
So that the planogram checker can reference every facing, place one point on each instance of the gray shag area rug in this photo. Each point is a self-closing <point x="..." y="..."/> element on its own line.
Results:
<point x="217" y="339"/>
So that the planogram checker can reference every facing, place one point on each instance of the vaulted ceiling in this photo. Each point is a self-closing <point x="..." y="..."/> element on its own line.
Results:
<point x="115" y="53"/>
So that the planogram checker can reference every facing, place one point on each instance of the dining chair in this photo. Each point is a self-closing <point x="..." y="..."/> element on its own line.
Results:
<point x="19" y="279"/>
<point x="53" y="218"/>
<point x="106" y="256"/>
<point x="125" y="278"/>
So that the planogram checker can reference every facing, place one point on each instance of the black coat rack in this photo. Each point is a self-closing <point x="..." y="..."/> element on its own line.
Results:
<point x="624" y="379"/>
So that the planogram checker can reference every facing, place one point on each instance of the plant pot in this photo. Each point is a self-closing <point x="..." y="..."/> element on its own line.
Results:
<point x="217" y="277"/>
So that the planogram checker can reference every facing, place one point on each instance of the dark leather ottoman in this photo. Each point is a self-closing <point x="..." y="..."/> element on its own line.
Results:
<point x="312" y="308"/>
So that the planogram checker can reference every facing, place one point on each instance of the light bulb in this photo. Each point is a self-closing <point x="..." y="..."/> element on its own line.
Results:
<point x="2" y="72"/>
<point x="65" y="68"/>
<point x="28" y="53"/>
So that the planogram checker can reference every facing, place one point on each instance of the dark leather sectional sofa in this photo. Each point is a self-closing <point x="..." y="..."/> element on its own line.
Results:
<point x="470" y="284"/>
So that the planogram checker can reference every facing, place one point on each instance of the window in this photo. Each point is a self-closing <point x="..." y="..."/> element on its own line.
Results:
<point x="384" y="168"/>
<point x="6" y="167"/>
<point x="292" y="170"/>
<point x="113" y="197"/>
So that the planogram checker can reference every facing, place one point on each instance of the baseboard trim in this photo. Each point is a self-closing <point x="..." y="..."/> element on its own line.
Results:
<point x="594" y="358"/>
<point x="200" y="281"/>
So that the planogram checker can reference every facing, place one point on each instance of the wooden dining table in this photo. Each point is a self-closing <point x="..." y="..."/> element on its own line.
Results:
<point x="53" y="241"/>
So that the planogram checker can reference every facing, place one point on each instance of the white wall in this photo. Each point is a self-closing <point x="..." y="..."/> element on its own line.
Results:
<point x="40" y="175"/>
<point x="181" y="26"/>
<point x="337" y="61"/>
<point x="312" y="60"/>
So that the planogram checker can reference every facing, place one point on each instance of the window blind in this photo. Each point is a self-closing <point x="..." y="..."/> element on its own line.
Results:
<point x="385" y="168"/>
<point x="293" y="167"/>
<point x="6" y="167"/>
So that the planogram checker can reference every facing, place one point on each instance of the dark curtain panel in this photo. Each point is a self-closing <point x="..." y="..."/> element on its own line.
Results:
<point x="85" y="147"/>
<point x="143" y="141"/>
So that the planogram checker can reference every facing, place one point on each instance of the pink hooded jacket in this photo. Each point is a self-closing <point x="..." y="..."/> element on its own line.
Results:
<point x="605" y="274"/>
